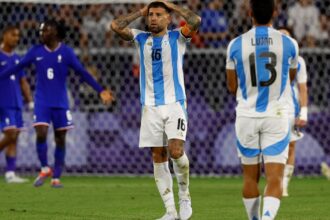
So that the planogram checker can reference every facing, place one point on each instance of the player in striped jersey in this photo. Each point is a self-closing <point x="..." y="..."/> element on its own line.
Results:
<point x="11" y="88"/>
<point x="297" y="115"/>
<point x="259" y="65"/>
<point x="163" y="99"/>
<point x="52" y="60"/>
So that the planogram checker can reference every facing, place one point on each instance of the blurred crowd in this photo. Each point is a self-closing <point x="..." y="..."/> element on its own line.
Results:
<point x="222" y="20"/>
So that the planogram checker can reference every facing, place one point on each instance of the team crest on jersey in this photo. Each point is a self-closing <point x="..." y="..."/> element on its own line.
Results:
<point x="59" y="58"/>
<point x="69" y="115"/>
<point x="12" y="77"/>
<point x="16" y="61"/>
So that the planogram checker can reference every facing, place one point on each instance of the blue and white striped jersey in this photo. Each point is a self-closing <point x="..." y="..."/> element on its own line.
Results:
<point x="262" y="58"/>
<point x="301" y="77"/>
<point x="161" y="67"/>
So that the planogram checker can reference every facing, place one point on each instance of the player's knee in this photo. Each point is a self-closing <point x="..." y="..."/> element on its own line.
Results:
<point x="176" y="152"/>
<point x="176" y="148"/>
<point x="41" y="138"/>
<point x="274" y="180"/>
<point x="250" y="182"/>
<point x="11" y="135"/>
<point x="60" y="141"/>
<point x="60" y="138"/>
<point x="159" y="155"/>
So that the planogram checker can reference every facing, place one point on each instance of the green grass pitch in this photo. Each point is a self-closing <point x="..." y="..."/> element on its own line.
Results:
<point x="121" y="198"/>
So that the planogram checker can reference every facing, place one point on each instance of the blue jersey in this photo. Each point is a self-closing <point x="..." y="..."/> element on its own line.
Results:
<point x="262" y="58"/>
<point x="10" y="87"/>
<point x="52" y="68"/>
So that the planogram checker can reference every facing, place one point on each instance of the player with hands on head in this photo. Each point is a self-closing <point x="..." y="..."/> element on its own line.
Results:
<point x="164" y="120"/>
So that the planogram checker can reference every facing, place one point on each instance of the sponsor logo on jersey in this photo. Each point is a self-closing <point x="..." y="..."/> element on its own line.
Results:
<point x="39" y="58"/>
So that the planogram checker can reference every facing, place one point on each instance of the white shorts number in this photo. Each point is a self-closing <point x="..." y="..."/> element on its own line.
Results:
<point x="50" y="73"/>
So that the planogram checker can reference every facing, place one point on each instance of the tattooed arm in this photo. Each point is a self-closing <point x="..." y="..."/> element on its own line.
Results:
<point x="192" y="19"/>
<point x="120" y="24"/>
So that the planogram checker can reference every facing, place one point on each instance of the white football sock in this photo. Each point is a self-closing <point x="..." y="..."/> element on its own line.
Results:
<point x="164" y="184"/>
<point x="288" y="171"/>
<point x="181" y="170"/>
<point x="252" y="207"/>
<point x="271" y="206"/>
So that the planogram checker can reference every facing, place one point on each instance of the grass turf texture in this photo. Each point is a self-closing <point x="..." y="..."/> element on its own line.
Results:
<point x="121" y="198"/>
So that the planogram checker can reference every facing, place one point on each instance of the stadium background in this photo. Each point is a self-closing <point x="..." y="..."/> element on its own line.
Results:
<point x="105" y="139"/>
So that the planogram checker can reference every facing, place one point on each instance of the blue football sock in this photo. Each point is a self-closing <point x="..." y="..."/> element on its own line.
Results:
<point x="42" y="154"/>
<point x="11" y="163"/>
<point x="59" y="162"/>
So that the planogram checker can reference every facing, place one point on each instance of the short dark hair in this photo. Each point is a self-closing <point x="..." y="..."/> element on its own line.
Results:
<point x="8" y="28"/>
<point x="262" y="10"/>
<point x="157" y="4"/>
<point x="59" y="26"/>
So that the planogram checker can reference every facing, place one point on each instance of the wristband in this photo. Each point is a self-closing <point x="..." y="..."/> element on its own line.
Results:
<point x="303" y="113"/>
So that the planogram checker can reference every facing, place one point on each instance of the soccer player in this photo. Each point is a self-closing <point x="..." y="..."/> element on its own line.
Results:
<point x="297" y="115"/>
<point x="11" y="102"/>
<point x="259" y="65"/>
<point x="163" y="99"/>
<point x="52" y="60"/>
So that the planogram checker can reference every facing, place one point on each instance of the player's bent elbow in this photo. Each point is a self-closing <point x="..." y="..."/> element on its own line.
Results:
<point x="114" y="26"/>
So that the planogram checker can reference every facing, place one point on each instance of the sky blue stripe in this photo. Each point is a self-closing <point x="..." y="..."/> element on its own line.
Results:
<point x="277" y="148"/>
<point x="142" y="38"/>
<point x="157" y="72"/>
<point x="247" y="152"/>
<point x="262" y="73"/>
<point x="173" y="38"/>
<point x="182" y="103"/>
<point x="287" y="54"/>
<point x="295" y="101"/>
<point x="236" y="54"/>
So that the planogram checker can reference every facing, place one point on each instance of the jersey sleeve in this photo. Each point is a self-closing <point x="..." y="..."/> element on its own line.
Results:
<point x="21" y="73"/>
<point x="230" y="61"/>
<point x="294" y="55"/>
<point x="302" y="71"/>
<point x="136" y="33"/>
<point x="26" y="61"/>
<point x="76" y="65"/>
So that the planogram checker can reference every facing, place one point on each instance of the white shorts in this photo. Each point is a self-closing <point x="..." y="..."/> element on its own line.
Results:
<point x="266" y="137"/>
<point x="295" y="133"/>
<point x="162" y="123"/>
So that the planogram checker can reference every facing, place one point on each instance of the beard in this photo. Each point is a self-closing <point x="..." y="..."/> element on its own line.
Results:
<point x="155" y="29"/>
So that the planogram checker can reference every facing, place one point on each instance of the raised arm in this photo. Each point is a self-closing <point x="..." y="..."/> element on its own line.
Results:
<point x="120" y="24"/>
<point x="26" y="61"/>
<point x="192" y="19"/>
<point x="106" y="95"/>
